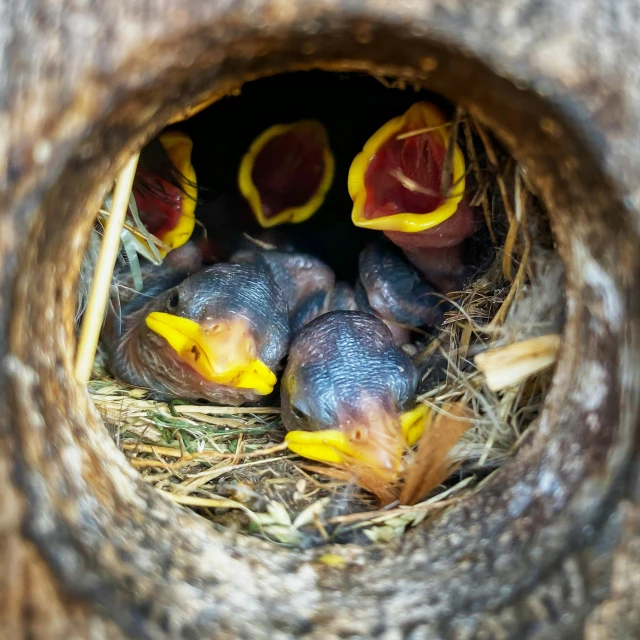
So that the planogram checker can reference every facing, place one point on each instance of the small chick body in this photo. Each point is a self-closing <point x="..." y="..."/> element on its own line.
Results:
<point x="219" y="335"/>
<point x="344" y="392"/>
<point x="396" y="291"/>
<point x="308" y="284"/>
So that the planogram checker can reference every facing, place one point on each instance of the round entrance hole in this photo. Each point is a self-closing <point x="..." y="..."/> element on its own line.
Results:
<point x="536" y="536"/>
<point x="496" y="292"/>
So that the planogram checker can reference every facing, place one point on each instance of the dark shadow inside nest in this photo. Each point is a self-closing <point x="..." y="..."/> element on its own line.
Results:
<point x="228" y="463"/>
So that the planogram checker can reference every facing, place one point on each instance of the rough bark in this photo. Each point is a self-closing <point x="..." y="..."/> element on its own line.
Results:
<point x="543" y="550"/>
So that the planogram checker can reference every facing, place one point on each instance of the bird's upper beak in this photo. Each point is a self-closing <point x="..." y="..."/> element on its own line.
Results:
<point x="395" y="181"/>
<point x="223" y="353"/>
<point x="287" y="172"/>
<point x="173" y="215"/>
<point x="372" y="448"/>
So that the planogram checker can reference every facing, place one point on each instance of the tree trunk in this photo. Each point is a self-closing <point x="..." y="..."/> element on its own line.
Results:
<point x="550" y="547"/>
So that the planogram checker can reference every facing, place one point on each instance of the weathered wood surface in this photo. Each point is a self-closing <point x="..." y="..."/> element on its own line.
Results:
<point x="548" y="549"/>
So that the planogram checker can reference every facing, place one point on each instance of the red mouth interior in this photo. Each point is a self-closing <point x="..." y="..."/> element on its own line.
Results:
<point x="288" y="170"/>
<point x="159" y="203"/>
<point x="404" y="175"/>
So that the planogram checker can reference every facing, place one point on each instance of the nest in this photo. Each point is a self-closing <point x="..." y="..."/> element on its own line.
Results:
<point x="494" y="356"/>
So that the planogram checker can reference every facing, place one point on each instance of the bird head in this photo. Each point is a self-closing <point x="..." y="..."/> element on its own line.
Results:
<point x="345" y="394"/>
<point x="286" y="173"/>
<point x="220" y="335"/>
<point x="396" y="182"/>
<point x="165" y="189"/>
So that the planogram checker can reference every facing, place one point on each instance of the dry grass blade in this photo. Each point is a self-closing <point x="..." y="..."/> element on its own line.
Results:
<point x="210" y="411"/>
<point x="433" y="463"/>
<point x="509" y="245"/>
<point x="99" y="294"/>
<point x="507" y="366"/>
<point x="419" y="132"/>
<point x="447" y="168"/>
<point x="136" y="232"/>
<point x="196" y="501"/>
<point x="482" y="134"/>
<point x="482" y="192"/>
<point x="519" y="221"/>
<point x="184" y="459"/>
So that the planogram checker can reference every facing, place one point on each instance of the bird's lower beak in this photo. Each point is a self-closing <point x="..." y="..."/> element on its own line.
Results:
<point x="286" y="173"/>
<point x="331" y="446"/>
<point x="377" y="446"/>
<point x="395" y="182"/>
<point x="223" y="353"/>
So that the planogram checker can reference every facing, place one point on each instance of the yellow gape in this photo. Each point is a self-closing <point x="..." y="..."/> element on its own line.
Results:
<point x="419" y="119"/>
<point x="223" y="353"/>
<point x="335" y="447"/>
<point x="300" y="211"/>
<point x="178" y="146"/>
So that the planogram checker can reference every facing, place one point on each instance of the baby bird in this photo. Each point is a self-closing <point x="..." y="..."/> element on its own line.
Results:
<point x="165" y="189"/>
<point x="219" y="335"/>
<point x="308" y="284"/>
<point x="398" y="186"/>
<point x="349" y="398"/>
<point x="396" y="291"/>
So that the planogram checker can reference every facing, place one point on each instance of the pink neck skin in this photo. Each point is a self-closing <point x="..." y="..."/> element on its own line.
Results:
<point x="436" y="252"/>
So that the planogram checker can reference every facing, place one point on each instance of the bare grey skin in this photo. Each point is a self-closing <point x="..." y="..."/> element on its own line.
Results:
<point x="393" y="289"/>
<point x="242" y="298"/>
<point x="308" y="284"/>
<point x="344" y="373"/>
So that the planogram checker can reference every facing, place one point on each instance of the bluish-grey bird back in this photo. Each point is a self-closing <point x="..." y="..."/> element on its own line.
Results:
<point x="396" y="290"/>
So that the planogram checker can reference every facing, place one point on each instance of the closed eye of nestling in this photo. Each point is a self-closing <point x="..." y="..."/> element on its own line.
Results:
<point x="174" y="300"/>
<point x="298" y="414"/>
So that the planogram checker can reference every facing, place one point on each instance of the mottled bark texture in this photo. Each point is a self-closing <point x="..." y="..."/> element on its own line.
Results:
<point x="548" y="549"/>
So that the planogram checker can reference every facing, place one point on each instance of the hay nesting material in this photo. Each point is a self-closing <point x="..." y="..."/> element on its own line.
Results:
<point x="103" y="273"/>
<point x="502" y="415"/>
<point x="230" y="464"/>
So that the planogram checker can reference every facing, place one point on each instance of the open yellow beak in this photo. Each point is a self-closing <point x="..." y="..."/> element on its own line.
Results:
<point x="224" y="353"/>
<point x="252" y="195"/>
<point x="335" y="447"/>
<point x="429" y="117"/>
<point x="178" y="146"/>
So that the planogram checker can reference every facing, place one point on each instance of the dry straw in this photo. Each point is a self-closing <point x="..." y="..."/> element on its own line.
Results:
<point x="107" y="256"/>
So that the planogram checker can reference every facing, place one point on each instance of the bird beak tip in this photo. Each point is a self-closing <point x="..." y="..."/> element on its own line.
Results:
<point x="334" y="447"/>
<point x="324" y="446"/>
